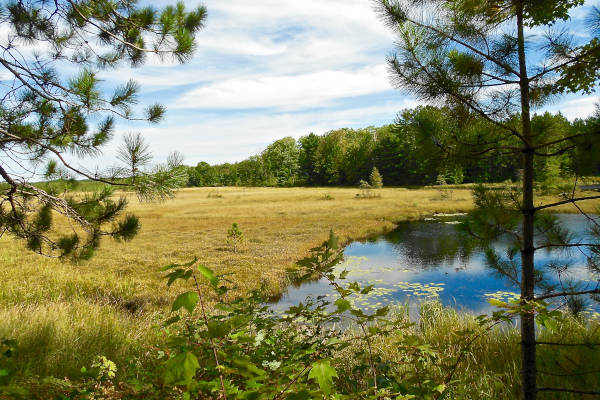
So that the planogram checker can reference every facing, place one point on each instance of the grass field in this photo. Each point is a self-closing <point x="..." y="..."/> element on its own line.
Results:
<point x="62" y="315"/>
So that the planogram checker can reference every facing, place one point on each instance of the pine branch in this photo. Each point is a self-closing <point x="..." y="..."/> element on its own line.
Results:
<point x="540" y="146"/>
<point x="66" y="164"/>
<point x="551" y="389"/>
<point x="115" y="37"/>
<point x="569" y="201"/>
<point x="466" y="45"/>
<point x="546" y="246"/>
<point x="564" y="294"/>
<point x="556" y="153"/>
<point x="569" y="344"/>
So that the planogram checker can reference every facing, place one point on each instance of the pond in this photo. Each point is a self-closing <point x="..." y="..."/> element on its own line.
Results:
<point x="429" y="259"/>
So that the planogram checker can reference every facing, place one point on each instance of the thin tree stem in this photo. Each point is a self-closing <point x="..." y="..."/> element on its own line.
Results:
<point x="214" y="348"/>
<point x="371" y="363"/>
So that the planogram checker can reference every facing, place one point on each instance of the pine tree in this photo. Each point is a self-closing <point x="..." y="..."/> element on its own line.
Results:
<point x="475" y="55"/>
<point x="235" y="237"/>
<point x="46" y="114"/>
<point x="376" y="179"/>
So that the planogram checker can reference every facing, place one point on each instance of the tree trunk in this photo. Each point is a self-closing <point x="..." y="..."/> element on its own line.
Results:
<point x="528" y="350"/>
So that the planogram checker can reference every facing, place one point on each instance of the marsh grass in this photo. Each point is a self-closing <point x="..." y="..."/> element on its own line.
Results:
<point x="490" y="366"/>
<point x="64" y="314"/>
<point x="59" y="339"/>
<point x="214" y="194"/>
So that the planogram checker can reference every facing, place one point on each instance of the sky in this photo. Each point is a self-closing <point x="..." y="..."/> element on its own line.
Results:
<point x="266" y="69"/>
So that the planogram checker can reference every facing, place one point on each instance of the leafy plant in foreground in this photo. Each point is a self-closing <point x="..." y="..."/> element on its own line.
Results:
<point x="243" y="349"/>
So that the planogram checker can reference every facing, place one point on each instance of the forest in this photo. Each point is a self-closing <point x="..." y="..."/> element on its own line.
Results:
<point x="417" y="149"/>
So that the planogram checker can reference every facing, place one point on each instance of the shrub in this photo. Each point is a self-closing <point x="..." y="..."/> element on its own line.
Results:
<point x="366" y="191"/>
<point x="245" y="350"/>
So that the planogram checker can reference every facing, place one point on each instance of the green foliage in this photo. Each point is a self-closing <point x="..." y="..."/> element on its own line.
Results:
<point x="475" y="56"/>
<point x="375" y="179"/>
<point x="235" y="237"/>
<point x="281" y="161"/>
<point x="46" y="114"/>
<point x="7" y="350"/>
<point x="135" y="153"/>
<point x="416" y="150"/>
<point x="106" y="368"/>
<point x="366" y="191"/>
<point x="187" y="300"/>
<point x="243" y="349"/>
<point x="323" y="373"/>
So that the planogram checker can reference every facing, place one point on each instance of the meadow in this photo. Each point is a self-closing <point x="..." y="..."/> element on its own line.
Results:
<point x="62" y="314"/>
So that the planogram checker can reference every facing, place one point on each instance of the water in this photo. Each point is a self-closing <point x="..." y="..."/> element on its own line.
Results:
<point x="428" y="259"/>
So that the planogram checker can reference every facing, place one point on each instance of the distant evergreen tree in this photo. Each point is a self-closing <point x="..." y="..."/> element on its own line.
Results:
<point x="375" y="179"/>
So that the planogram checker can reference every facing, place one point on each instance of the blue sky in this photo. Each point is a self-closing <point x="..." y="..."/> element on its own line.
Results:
<point x="267" y="69"/>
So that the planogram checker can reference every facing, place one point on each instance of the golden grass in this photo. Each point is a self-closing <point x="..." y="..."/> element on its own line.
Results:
<point x="279" y="225"/>
<point x="123" y="282"/>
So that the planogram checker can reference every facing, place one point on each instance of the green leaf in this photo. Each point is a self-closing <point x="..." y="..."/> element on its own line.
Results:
<point x="367" y="289"/>
<point x="171" y="266"/>
<point x="178" y="274"/>
<point x="3" y="372"/>
<point x="172" y="321"/>
<point x="383" y="311"/>
<point x="354" y="287"/>
<point x="323" y="373"/>
<point x="188" y="300"/>
<point x="440" y="388"/>
<point x="209" y="275"/>
<point x="343" y="305"/>
<point x="218" y="329"/>
<point x="497" y="303"/>
<point x="180" y="370"/>
<point x="547" y="322"/>
<point x="246" y="365"/>
<point x="301" y="395"/>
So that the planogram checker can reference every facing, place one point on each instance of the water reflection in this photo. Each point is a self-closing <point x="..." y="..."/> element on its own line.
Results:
<point x="428" y="259"/>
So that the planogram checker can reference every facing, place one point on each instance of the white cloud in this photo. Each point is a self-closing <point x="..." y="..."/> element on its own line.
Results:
<point x="287" y="92"/>
<point x="300" y="66"/>
<point x="582" y="107"/>
<point x="217" y="139"/>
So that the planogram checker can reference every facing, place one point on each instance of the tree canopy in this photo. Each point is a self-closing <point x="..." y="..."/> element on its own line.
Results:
<point x="418" y="149"/>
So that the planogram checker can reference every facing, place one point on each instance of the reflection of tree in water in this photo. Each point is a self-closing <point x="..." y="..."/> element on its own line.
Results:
<point x="430" y="244"/>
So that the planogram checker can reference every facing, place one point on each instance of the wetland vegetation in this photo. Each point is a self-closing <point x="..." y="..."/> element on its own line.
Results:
<point x="125" y="286"/>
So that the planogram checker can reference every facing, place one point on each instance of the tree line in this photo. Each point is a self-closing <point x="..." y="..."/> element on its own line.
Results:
<point x="418" y="149"/>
